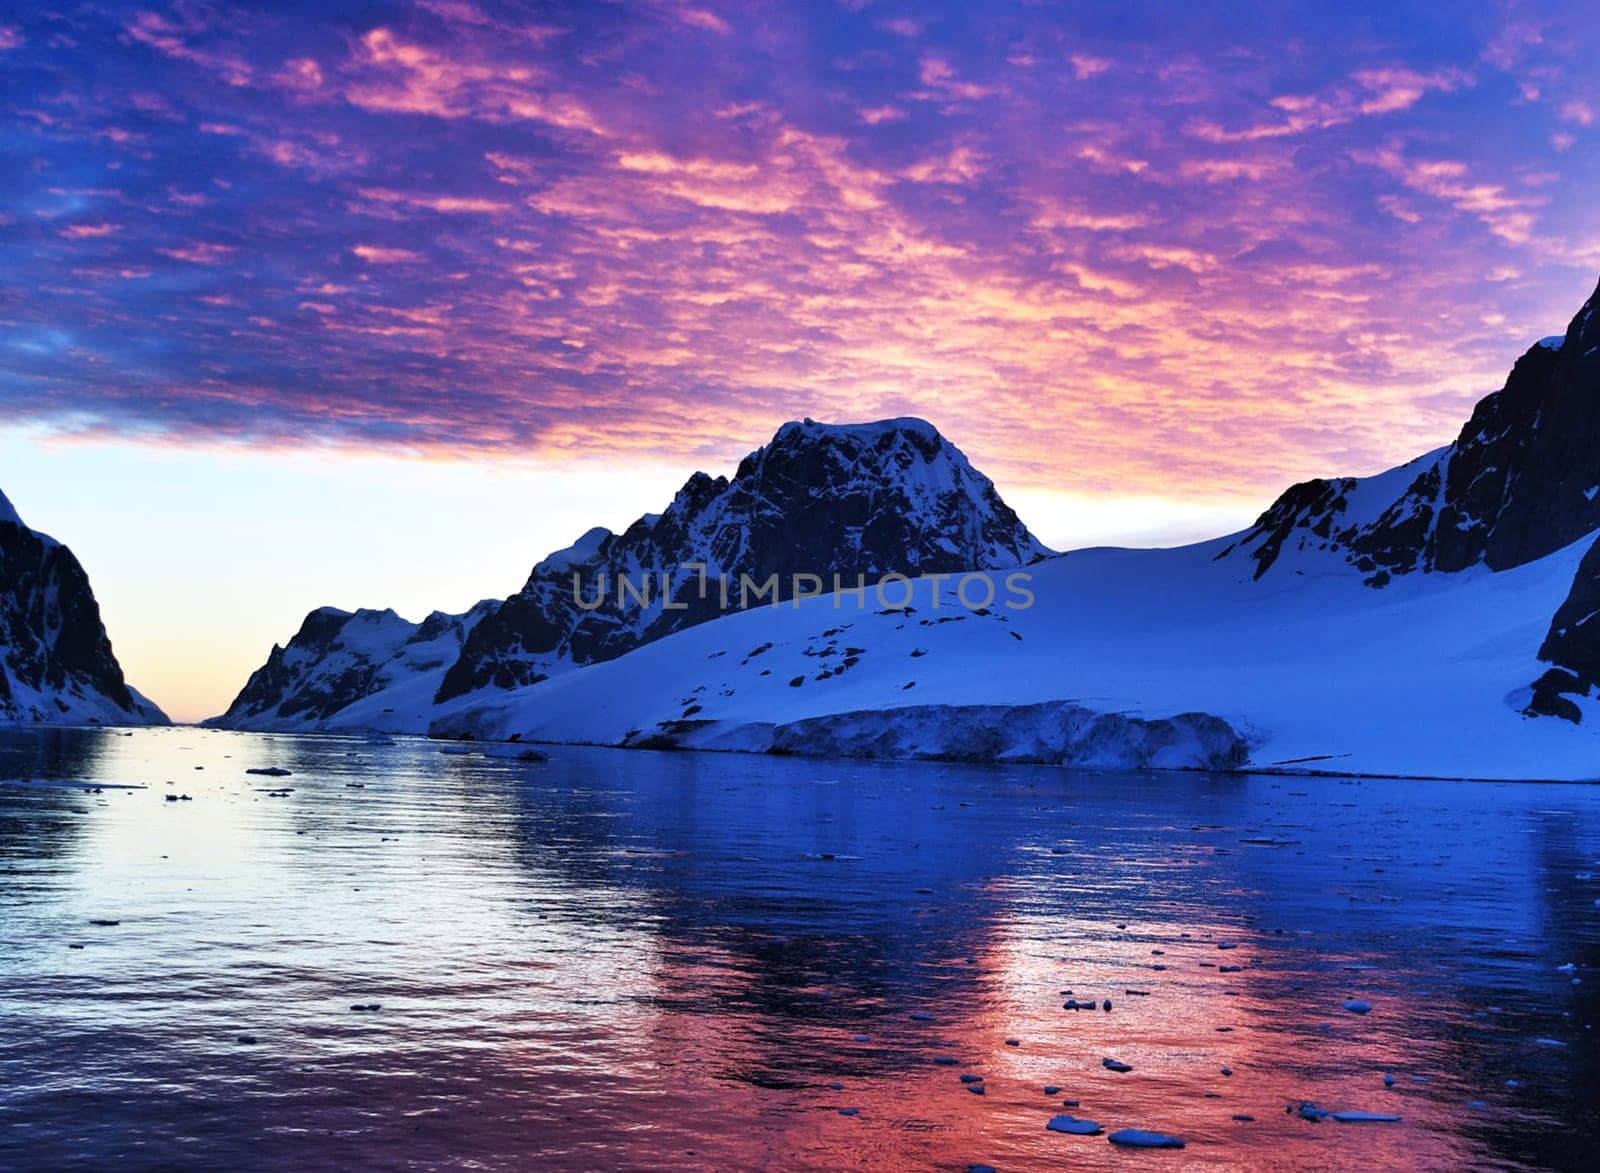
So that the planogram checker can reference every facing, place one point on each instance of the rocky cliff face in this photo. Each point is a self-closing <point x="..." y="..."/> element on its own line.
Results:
<point x="1572" y="646"/>
<point x="820" y="499"/>
<point x="56" y="664"/>
<point x="1521" y="480"/>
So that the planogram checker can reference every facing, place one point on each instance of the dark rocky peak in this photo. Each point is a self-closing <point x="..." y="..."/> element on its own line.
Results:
<point x="1524" y="479"/>
<point x="8" y="514"/>
<point x="1521" y="481"/>
<point x="823" y="499"/>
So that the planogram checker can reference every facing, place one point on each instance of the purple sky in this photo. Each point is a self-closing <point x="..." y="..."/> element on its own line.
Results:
<point x="1140" y="249"/>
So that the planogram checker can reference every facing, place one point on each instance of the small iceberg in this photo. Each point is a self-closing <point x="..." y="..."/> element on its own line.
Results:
<point x="1138" y="1138"/>
<point x="1074" y="1126"/>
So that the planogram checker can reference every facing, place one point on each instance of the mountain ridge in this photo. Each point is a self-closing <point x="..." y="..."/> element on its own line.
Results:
<point x="1487" y="533"/>
<point x="889" y="496"/>
<point x="1519" y="482"/>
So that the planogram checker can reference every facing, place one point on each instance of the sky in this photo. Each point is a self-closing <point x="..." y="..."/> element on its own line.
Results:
<point x="374" y="304"/>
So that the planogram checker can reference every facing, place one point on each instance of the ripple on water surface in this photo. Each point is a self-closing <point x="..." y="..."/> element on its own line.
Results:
<point x="394" y="955"/>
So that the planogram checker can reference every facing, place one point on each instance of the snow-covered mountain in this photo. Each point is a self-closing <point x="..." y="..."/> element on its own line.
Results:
<point x="56" y="664"/>
<point x="1126" y="658"/>
<point x="1429" y="620"/>
<point x="1521" y="480"/>
<point x="819" y="499"/>
<point x="354" y="670"/>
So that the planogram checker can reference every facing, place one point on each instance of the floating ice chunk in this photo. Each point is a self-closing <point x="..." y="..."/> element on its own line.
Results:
<point x="1073" y="1126"/>
<point x="1138" y="1138"/>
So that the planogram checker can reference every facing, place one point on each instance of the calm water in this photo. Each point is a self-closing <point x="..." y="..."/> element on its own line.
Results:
<point x="655" y="960"/>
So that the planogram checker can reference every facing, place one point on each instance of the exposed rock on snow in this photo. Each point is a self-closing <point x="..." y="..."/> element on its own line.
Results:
<point x="56" y="664"/>
<point x="1572" y="645"/>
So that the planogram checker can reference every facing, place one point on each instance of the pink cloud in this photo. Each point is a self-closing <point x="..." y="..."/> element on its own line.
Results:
<point x="200" y="253"/>
<point x="377" y="255"/>
<point x="89" y="231"/>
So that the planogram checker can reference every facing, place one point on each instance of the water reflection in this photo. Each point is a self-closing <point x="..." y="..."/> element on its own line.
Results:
<point x="659" y="960"/>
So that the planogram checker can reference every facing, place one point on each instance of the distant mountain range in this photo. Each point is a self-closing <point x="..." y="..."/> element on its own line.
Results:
<point x="1440" y="618"/>
<point x="56" y="664"/>
<point x="1431" y="619"/>
<point x="823" y="500"/>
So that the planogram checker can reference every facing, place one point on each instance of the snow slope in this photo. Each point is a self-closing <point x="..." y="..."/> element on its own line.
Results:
<point x="1318" y="670"/>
